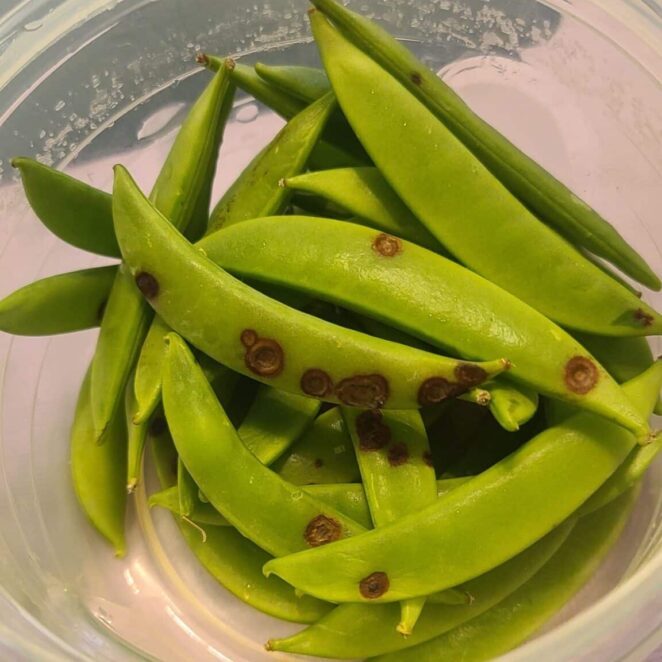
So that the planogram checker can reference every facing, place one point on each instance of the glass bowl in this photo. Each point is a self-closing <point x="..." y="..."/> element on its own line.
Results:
<point x="88" y="83"/>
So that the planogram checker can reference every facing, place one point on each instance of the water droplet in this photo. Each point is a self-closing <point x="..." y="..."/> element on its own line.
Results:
<point x="247" y="113"/>
<point x="32" y="26"/>
<point x="42" y="134"/>
<point x="158" y="120"/>
<point x="339" y="450"/>
<point x="104" y="616"/>
<point x="297" y="496"/>
<point x="59" y="105"/>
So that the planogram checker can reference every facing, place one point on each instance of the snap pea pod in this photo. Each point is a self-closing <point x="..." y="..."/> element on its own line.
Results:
<point x="365" y="193"/>
<point x="187" y="490"/>
<point x="137" y="437"/>
<point x="467" y="208"/>
<point x="538" y="189"/>
<point x="184" y="181"/>
<point x="275" y="515"/>
<point x="234" y="561"/>
<point x="516" y="618"/>
<point x="305" y="83"/>
<point x="456" y="533"/>
<point x="74" y="211"/>
<point x="58" y="304"/>
<point x="353" y="631"/>
<point x="99" y="471"/>
<point x="261" y="338"/>
<point x="512" y="406"/>
<point x="393" y="453"/>
<point x="255" y="193"/>
<point x="426" y="296"/>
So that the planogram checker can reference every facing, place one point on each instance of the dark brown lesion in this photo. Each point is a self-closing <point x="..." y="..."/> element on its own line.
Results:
<point x="322" y="530"/>
<point x="437" y="389"/>
<point x="417" y="79"/>
<point x="643" y="318"/>
<point x="428" y="459"/>
<point x="398" y="454"/>
<point x="372" y="432"/>
<point x="265" y="358"/>
<point x="319" y="463"/>
<point x="316" y="383"/>
<point x="387" y="245"/>
<point x="470" y="375"/>
<point x="374" y="586"/>
<point x="581" y="375"/>
<point x="147" y="284"/>
<point x="249" y="337"/>
<point x="364" y="391"/>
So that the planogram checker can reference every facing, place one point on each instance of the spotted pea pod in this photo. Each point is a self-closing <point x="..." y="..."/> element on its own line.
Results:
<point x="354" y="631"/>
<point x="524" y="612"/>
<point x="232" y="560"/>
<point x="538" y="190"/>
<point x="476" y="218"/>
<point x="401" y="560"/>
<point x="393" y="454"/>
<point x="428" y="297"/>
<point x="305" y="83"/>
<point x="183" y="184"/>
<point x="99" y="471"/>
<point x="59" y="304"/>
<point x="255" y="193"/>
<point x="261" y="338"/>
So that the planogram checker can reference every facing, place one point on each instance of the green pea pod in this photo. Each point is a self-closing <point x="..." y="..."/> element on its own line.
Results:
<point x="366" y="194"/>
<point x="261" y="338"/>
<point x="324" y="454"/>
<point x="187" y="491"/>
<point x="59" y="304"/>
<point x="612" y="274"/>
<point x="512" y="406"/>
<point x="275" y="515"/>
<point x="137" y="437"/>
<point x="99" y="472"/>
<point x="537" y="189"/>
<point x="393" y="281"/>
<point x="520" y="615"/>
<point x="74" y="211"/>
<point x="234" y="561"/>
<point x="185" y="179"/>
<point x="482" y="224"/>
<point x="305" y="83"/>
<point x="456" y="533"/>
<point x="356" y="631"/>
<point x="202" y="513"/>
<point x="394" y="457"/>
<point x="275" y="421"/>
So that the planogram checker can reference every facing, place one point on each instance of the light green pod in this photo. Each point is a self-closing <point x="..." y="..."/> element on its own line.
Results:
<point x="184" y="181"/>
<point x="261" y="338"/>
<point x="364" y="193"/>
<point x="520" y="615"/>
<point x="467" y="208"/>
<point x="354" y="631"/>
<point x="58" y="304"/>
<point x="424" y="295"/>
<point x="99" y="471"/>
<point x="527" y="180"/>
<point x="74" y="211"/>
<point x="512" y="406"/>
<point x="305" y="83"/>
<point x="187" y="491"/>
<point x="137" y="437"/>
<point x="457" y="533"/>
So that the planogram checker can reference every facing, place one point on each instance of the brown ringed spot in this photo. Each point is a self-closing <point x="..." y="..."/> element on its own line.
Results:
<point x="374" y="586"/>
<point x="373" y="433"/>
<point x="248" y="337"/>
<point x="437" y="389"/>
<point x="316" y="383"/>
<point x="398" y="455"/>
<point x="417" y="79"/>
<point x="364" y="391"/>
<point x="643" y="318"/>
<point x="427" y="458"/>
<point x="387" y="245"/>
<point x="158" y="426"/>
<point x="265" y="358"/>
<point x="470" y="374"/>
<point x="322" y="530"/>
<point x="581" y="375"/>
<point x="319" y="463"/>
<point x="147" y="284"/>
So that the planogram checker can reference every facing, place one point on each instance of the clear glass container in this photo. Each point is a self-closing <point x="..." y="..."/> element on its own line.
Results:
<point x="87" y="83"/>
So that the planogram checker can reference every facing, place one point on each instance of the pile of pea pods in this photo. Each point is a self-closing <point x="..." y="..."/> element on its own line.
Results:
<point x="395" y="332"/>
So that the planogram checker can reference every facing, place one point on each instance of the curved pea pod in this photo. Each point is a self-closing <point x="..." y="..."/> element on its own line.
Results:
<point x="99" y="471"/>
<point x="324" y="454"/>
<point x="234" y="561"/>
<point x="512" y="406"/>
<point x="305" y="83"/>
<point x="418" y="292"/>
<point x="394" y="457"/>
<point x="58" y="304"/>
<point x="364" y="193"/>
<point x="353" y="631"/>
<point x="534" y="186"/>
<point x="471" y="213"/>
<point x="261" y="338"/>
<point x="183" y="183"/>
<point x="74" y="211"/>
<point x="519" y="616"/>
<point x="400" y="560"/>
